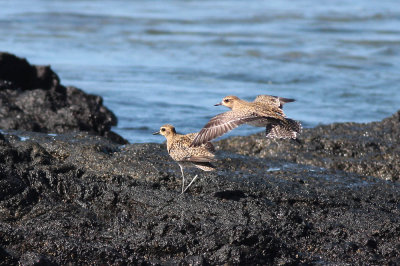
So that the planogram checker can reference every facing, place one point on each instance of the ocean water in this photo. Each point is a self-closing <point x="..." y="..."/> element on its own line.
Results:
<point x="157" y="62"/>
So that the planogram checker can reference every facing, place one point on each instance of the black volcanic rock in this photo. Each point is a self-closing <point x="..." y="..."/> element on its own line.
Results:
<point x="77" y="198"/>
<point x="32" y="99"/>
<point x="367" y="149"/>
<point x="81" y="199"/>
<point x="25" y="76"/>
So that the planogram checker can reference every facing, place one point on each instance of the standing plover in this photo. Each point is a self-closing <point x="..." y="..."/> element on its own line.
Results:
<point x="265" y="111"/>
<point x="179" y="149"/>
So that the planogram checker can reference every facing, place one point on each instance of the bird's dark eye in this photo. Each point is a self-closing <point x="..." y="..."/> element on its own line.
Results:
<point x="163" y="129"/>
<point x="226" y="101"/>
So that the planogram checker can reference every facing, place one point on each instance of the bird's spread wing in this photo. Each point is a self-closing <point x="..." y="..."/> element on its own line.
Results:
<point x="273" y="100"/>
<point x="221" y="124"/>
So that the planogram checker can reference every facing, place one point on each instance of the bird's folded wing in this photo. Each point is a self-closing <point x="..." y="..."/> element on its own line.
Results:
<point x="208" y="145"/>
<point x="221" y="124"/>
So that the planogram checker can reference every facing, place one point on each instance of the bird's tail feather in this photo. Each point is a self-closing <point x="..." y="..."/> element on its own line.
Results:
<point x="285" y="130"/>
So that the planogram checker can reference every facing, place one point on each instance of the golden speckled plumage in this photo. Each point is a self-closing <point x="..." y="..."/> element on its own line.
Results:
<point x="264" y="111"/>
<point x="179" y="149"/>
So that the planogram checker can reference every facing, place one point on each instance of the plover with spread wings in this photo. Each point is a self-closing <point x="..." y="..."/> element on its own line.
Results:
<point x="265" y="111"/>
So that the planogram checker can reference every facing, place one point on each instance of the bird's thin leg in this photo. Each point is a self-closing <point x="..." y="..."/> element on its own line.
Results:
<point x="183" y="178"/>
<point x="194" y="178"/>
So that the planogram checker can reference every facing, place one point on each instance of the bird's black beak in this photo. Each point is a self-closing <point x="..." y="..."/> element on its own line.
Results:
<point x="156" y="133"/>
<point x="217" y="104"/>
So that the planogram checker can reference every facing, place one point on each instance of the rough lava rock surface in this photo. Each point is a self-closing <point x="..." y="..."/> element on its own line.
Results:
<point x="367" y="149"/>
<point x="32" y="99"/>
<point x="81" y="199"/>
<point x="76" y="198"/>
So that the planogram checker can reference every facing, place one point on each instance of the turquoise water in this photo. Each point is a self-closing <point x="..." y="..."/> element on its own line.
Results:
<point x="157" y="62"/>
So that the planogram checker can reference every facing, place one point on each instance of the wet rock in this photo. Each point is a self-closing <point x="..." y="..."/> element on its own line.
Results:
<point x="32" y="99"/>
<point x="82" y="199"/>
<point x="367" y="149"/>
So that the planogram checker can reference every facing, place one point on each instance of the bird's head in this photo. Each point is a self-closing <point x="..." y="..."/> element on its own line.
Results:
<point x="166" y="130"/>
<point x="229" y="101"/>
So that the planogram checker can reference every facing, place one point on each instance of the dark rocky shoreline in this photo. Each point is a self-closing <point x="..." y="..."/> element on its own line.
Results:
<point x="82" y="198"/>
<point x="33" y="99"/>
<point x="371" y="149"/>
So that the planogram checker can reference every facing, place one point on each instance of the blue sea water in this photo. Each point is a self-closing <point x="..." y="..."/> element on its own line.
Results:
<point x="157" y="62"/>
